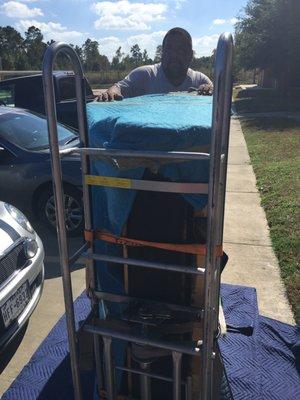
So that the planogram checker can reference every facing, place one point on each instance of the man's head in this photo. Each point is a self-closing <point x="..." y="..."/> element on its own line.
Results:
<point x="177" y="53"/>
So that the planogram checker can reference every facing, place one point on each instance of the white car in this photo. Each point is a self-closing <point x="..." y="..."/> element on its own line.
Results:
<point x="21" y="272"/>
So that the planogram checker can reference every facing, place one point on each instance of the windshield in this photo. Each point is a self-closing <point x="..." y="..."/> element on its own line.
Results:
<point x="29" y="131"/>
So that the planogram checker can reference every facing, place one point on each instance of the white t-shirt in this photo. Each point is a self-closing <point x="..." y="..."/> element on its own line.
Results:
<point x="151" y="79"/>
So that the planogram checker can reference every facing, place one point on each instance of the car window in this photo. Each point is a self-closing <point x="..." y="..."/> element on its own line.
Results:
<point x="29" y="131"/>
<point x="6" y="156"/>
<point x="67" y="89"/>
<point x="7" y="95"/>
<point x="29" y="92"/>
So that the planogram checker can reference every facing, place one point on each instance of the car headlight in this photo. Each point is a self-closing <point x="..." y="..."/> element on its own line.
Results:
<point x="31" y="248"/>
<point x="19" y="217"/>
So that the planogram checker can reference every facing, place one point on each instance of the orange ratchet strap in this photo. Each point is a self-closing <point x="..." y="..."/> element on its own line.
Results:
<point x="181" y="248"/>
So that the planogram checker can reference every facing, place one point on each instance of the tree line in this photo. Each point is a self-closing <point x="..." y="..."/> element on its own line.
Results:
<point x="267" y="37"/>
<point x="18" y="53"/>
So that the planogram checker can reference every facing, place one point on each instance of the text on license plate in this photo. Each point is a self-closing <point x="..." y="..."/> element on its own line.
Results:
<point x="15" y="304"/>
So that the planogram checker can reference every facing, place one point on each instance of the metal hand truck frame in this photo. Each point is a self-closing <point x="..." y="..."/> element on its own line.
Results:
<point x="204" y="348"/>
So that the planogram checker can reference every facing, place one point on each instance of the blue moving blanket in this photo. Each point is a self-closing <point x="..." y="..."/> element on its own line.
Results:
<point x="264" y="365"/>
<point x="153" y="122"/>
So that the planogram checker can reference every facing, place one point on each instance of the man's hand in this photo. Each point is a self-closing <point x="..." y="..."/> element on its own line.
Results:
<point x="113" y="93"/>
<point x="206" y="89"/>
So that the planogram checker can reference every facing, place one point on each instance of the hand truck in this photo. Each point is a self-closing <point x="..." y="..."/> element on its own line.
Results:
<point x="204" y="348"/>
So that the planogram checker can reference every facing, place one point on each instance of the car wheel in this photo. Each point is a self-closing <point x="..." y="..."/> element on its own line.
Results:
<point x="73" y="210"/>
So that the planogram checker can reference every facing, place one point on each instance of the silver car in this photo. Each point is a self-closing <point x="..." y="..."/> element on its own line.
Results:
<point x="21" y="272"/>
<point x="25" y="173"/>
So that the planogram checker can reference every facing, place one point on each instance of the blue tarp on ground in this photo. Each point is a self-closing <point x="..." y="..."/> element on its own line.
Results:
<point x="261" y="364"/>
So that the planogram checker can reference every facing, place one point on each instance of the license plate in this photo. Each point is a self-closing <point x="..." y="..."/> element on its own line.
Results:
<point x="15" y="304"/>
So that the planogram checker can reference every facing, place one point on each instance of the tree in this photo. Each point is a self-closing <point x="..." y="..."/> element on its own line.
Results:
<point x="126" y="63"/>
<point x="158" y="54"/>
<point x="145" y="58"/>
<point x="12" y="52"/>
<point x="203" y="64"/>
<point x="92" y="59"/>
<point x="79" y="52"/>
<point x="116" y="61"/>
<point x="34" y="47"/>
<point x="104" y="63"/>
<point x="264" y="37"/>
<point x="136" y="55"/>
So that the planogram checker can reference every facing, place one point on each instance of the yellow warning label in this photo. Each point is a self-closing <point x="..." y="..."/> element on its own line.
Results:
<point x="108" y="181"/>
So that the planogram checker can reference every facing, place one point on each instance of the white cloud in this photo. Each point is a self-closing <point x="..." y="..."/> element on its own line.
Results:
<point x="53" y="30"/>
<point x="109" y="44"/>
<point x="233" y="20"/>
<point x="204" y="45"/>
<point x="124" y="15"/>
<point x="147" y="41"/>
<point x="15" y="9"/>
<point x="219" y="21"/>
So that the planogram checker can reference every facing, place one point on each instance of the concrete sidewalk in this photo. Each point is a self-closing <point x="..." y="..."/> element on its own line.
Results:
<point x="252" y="261"/>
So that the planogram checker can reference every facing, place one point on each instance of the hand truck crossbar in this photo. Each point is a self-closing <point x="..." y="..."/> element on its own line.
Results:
<point x="157" y="155"/>
<point x="119" y="330"/>
<point x="144" y="264"/>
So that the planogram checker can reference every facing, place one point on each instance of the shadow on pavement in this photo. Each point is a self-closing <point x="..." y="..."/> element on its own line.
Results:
<point x="11" y="349"/>
<point x="49" y="239"/>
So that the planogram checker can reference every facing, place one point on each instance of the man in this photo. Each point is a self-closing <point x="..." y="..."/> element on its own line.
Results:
<point x="171" y="75"/>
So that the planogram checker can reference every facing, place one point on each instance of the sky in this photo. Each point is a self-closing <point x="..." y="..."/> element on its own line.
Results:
<point x="115" y="23"/>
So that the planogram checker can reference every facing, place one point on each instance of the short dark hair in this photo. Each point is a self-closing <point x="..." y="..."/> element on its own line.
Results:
<point x="179" y="31"/>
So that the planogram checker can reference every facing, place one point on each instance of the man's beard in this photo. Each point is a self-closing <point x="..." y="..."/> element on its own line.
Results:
<point x="175" y="70"/>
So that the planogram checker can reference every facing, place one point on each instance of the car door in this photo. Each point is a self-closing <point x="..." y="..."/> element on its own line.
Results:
<point x="16" y="181"/>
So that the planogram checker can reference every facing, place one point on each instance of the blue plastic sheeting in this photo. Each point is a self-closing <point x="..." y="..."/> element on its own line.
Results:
<point x="262" y="366"/>
<point x="153" y="122"/>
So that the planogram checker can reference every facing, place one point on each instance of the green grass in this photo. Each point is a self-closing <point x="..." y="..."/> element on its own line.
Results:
<point x="4" y="94"/>
<point x="266" y="100"/>
<point x="274" y="147"/>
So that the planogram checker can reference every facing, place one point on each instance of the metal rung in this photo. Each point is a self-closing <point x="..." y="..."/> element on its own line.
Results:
<point x="152" y="186"/>
<point x="121" y="330"/>
<point x="145" y="264"/>
<point x="149" y="374"/>
<point x="163" y="155"/>
<point x="119" y="298"/>
<point x="78" y="253"/>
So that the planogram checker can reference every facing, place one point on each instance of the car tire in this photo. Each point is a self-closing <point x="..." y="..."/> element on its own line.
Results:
<point x="74" y="210"/>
